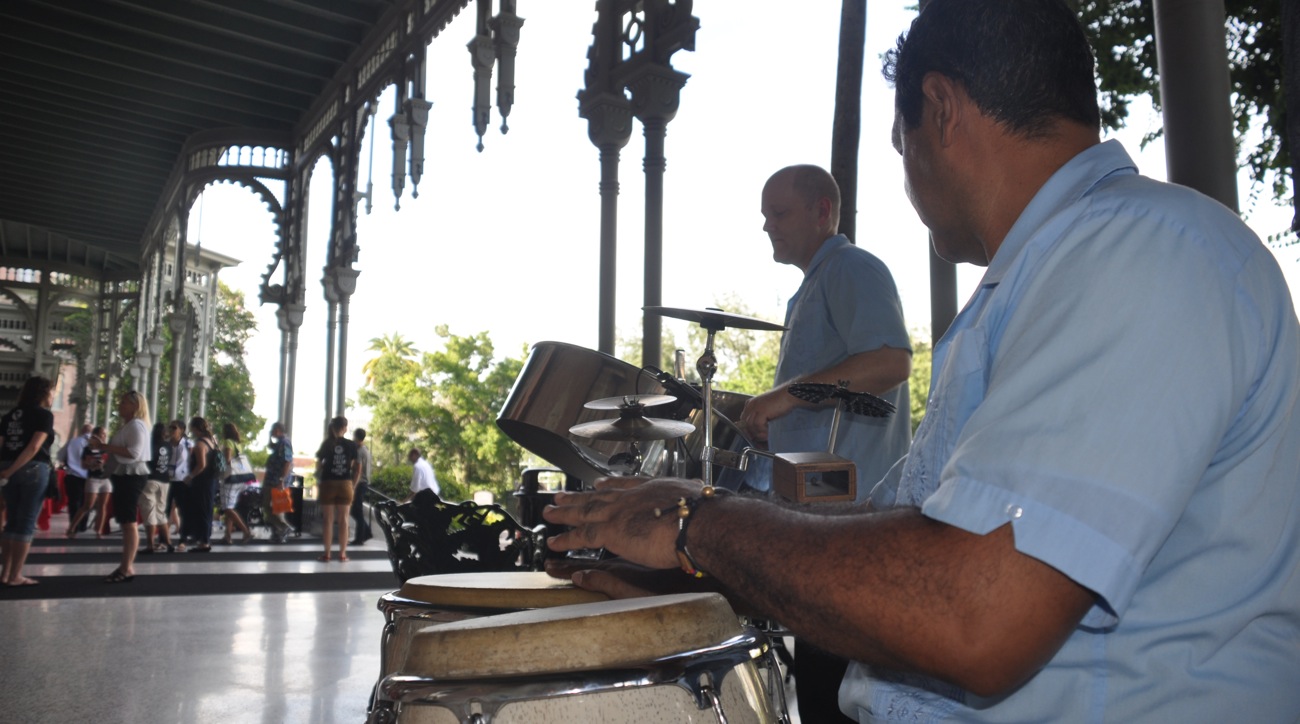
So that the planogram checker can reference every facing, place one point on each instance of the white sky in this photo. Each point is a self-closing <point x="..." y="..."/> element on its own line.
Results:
<point x="507" y="240"/>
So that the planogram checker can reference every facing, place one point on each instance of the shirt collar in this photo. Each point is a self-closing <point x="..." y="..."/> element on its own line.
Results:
<point x="827" y="248"/>
<point x="1073" y="181"/>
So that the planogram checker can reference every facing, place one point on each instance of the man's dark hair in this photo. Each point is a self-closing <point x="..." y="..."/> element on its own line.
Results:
<point x="359" y="434"/>
<point x="1024" y="63"/>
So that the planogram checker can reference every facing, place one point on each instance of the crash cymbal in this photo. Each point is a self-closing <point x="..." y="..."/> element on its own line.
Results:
<point x="619" y="403"/>
<point x="632" y="428"/>
<point x="715" y="319"/>
<point x="859" y="403"/>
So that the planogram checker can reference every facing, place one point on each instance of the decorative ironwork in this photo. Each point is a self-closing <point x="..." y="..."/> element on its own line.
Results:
<point x="429" y="536"/>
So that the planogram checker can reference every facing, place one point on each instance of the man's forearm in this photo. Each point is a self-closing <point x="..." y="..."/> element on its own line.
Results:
<point x="876" y="371"/>
<point x="910" y="594"/>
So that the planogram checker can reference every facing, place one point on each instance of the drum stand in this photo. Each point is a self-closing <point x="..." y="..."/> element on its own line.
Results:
<point x="706" y="366"/>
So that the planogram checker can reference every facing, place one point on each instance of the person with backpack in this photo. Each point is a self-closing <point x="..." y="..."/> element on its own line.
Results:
<point x="207" y="466"/>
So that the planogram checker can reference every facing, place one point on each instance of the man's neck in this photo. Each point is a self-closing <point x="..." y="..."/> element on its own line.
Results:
<point x="807" y="263"/>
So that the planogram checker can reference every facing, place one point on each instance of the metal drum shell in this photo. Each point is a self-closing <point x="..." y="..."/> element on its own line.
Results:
<point x="548" y="398"/>
<point x="636" y="660"/>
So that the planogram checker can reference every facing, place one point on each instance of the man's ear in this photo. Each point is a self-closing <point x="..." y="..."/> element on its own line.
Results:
<point x="943" y="105"/>
<point x="824" y="211"/>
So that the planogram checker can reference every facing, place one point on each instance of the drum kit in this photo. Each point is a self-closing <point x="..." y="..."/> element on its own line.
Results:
<point x="503" y="648"/>
<point x="666" y="426"/>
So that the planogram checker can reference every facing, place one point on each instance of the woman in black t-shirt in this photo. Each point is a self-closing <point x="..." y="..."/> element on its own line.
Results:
<point x="337" y="473"/>
<point x="27" y="432"/>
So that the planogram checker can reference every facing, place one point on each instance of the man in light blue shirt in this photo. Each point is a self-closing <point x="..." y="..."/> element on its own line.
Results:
<point x="74" y="477"/>
<point x="1099" y="517"/>
<point x="844" y="324"/>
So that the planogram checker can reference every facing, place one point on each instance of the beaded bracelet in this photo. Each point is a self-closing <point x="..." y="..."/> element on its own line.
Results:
<point x="685" y="508"/>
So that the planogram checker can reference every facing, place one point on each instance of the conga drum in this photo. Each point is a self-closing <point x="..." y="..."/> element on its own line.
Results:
<point x="460" y="596"/>
<point x="662" y="659"/>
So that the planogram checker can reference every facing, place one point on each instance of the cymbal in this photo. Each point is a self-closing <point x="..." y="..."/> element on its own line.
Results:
<point x="859" y="403"/>
<point x="715" y="319"/>
<point x="632" y="428"/>
<point x="618" y="403"/>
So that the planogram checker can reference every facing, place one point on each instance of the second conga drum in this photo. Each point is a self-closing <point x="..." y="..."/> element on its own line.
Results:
<point x="458" y="596"/>
<point x="662" y="659"/>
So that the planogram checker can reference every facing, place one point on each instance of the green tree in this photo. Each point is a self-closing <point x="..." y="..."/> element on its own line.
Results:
<point x="469" y="387"/>
<point x="918" y="383"/>
<point x="392" y="391"/>
<point x="446" y="403"/>
<point x="231" y="397"/>
<point x="395" y="353"/>
<point x="1123" y="32"/>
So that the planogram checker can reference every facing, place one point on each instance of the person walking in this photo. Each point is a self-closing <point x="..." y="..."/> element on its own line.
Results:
<point x="232" y="486"/>
<point x="338" y="472"/>
<point x="422" y="477"/>
<point x="28" y="431"/>
<point x="362" y="522"/>
<point x="129" y="447"/>
<point x="279" y="471"/>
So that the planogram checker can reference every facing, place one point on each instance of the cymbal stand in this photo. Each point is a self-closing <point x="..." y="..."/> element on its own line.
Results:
<point x="706" y="365"/>
<point x="835" y="424"/>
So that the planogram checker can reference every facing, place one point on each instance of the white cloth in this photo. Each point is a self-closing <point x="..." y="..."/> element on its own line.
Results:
<point x="423" y="478"/>
<point x="72" y="455"/>
<point x="134" y="436"/>
<point x="181" y="458"/>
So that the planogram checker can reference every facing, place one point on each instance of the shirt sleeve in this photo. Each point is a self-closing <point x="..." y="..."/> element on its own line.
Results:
<point x="1098" y="413"/>
<point x="862" y="303"/>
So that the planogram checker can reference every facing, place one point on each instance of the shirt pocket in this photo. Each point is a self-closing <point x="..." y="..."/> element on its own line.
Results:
<point x="956" y="390"/>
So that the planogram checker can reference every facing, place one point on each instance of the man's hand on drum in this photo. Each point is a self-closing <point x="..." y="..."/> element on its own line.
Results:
<point x="618" y="578"/>
<point x="619" y="516"/>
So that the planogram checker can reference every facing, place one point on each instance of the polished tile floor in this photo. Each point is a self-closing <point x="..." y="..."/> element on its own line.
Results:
<point x="265" y="658"/>
<point x="212" y="659"/>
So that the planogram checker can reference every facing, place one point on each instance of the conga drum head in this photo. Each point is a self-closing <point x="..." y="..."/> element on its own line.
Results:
<point x="582" y="637"/>
<point x="496" y="591"/>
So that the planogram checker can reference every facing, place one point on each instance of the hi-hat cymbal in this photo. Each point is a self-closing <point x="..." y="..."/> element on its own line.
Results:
<point x="715" y="319"/>
<point x="632" y="428"/>
<point x="618" y="403"/>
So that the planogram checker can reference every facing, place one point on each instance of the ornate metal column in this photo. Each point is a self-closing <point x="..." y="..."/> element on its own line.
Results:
<point x="178" y="320"/>
<point x="505" y="36"/>
<point x="651" y="31"/>
<point x="289" y="317"/>
<point x="155" y="345"/>
<point x="609" y="126"/>
<point x="495" y="42"/>
<point x="344" y="283"/>
<point x="331" y="330"/>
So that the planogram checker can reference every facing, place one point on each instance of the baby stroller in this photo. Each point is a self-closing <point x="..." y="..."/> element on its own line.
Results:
<point x="249" y="505"/>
